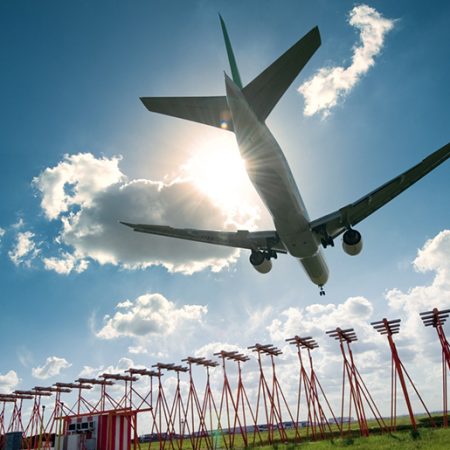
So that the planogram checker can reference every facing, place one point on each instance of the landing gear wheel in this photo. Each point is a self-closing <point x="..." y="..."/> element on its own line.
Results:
<point x="321" y="292"/>
<point x="257" y="258"/>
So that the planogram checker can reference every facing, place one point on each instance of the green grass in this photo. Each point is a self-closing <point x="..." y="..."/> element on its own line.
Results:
<point x="428" y="438"/>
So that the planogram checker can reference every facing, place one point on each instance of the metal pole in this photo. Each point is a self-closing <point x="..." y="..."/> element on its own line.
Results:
<point x="436" y="319"/>
<point x="388" y="328"/>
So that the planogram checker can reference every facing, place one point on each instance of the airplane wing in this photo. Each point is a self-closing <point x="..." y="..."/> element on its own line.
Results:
<point x="256" y="240"/>
<point x="332" y="225"/>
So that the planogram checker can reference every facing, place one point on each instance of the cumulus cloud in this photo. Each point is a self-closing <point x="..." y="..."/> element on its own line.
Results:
<point x="314" y="320"/>
<point x="88" y="196"/>
<point x="432" y="257"/>
<point x="24" y="250"/>
<point x="52" y="367"/>
<point x="122" y="365"/>
<point x="318" y="318"/>
<point x="66" y="263"/>
<point x="151" y="314"/>
<point x="208" y="350"/>
<point x="75" y="181"/>
<point x="8" y="382"/>
<point x="331" y="84"/>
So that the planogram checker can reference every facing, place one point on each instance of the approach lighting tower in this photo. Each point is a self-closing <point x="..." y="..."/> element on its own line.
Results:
<point x="316" y="418"/>
<point x="359" y="394"/>
<point x="436" y="319"/>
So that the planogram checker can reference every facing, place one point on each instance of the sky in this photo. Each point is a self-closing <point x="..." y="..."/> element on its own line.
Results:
<point x="82" y="294"/>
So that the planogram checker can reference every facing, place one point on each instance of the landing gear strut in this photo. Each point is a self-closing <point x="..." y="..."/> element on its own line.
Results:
<point x="321" y="292"/>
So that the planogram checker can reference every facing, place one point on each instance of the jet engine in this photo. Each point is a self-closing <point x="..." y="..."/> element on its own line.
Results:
<point x="261" y="262"/>
<point x="352" y="242"/>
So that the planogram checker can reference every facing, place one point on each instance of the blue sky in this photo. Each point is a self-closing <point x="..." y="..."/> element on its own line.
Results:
<point x="71" y="78"/>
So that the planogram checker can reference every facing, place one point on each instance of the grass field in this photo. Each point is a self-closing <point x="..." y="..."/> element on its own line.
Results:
<point x="427" y="437"/>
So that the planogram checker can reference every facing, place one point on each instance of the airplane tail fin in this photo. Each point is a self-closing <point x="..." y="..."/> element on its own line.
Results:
<point x="267" y="88"/>
<point x="233" y="66"/>
<point x="262" y="94"/>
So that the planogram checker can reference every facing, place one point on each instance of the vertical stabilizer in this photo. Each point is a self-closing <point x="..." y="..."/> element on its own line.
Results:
<point x="267" y="88"/>
<point x="233" y="66"/>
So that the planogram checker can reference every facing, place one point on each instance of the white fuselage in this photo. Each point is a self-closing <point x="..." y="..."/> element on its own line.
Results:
<point x="272" y="178"/>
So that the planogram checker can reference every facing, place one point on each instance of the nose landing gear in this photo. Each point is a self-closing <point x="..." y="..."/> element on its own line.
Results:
<point x="321" y="292"/>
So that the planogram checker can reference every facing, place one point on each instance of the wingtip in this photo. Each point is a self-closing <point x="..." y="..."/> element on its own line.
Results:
<point x="145" y="102"/>
<point x="131" y="225"/>
<point x="317" y="31"/>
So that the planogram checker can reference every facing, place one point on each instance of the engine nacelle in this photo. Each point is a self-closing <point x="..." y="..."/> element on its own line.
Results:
<point x="352" y="242"/>
<point x="261" y="262"/>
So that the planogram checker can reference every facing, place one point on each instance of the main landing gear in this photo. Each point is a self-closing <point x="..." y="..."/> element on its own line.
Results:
<point x="321" y="292"/>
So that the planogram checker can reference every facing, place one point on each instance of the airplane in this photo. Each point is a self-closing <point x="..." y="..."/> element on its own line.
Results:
<point x="243" y="110"/>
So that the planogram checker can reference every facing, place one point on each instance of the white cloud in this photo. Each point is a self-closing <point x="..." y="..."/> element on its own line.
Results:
<point x="137" y="350"/>
<point x="66" y="264"/>
<point x="91" y="372"/>
<point x="314" y="320"/>
<point x="94" y="372"/>
<point x="434" y="257"/>
<point x="8" y="382"/>
<point x="75" y="181"/>
<point x="318" y="318"/>
<point x="331" y="84"/>
<point x="19" y="224"/>
<point x="24" y="250"/>
<point x="151" y="314"/>
<point x="125" y="304"/>
<point x="52" y="367"/>
<point x="208" y="350"/>
<point x="435" y="254"/>
<point x="89" y="196"/>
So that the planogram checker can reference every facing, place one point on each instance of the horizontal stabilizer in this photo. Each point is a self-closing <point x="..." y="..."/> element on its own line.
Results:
<point x="267" y="88"/>
<point x="208" y="110"/>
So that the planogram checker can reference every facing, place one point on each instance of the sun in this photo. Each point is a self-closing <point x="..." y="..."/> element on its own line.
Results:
<point x="217" y="169"/>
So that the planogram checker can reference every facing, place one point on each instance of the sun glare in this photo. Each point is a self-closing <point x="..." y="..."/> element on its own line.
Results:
<point x="217" y="169"/>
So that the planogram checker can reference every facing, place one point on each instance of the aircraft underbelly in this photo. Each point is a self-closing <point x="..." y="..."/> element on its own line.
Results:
<point x="271" y="176"/>
<point x="316" y="268"/>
